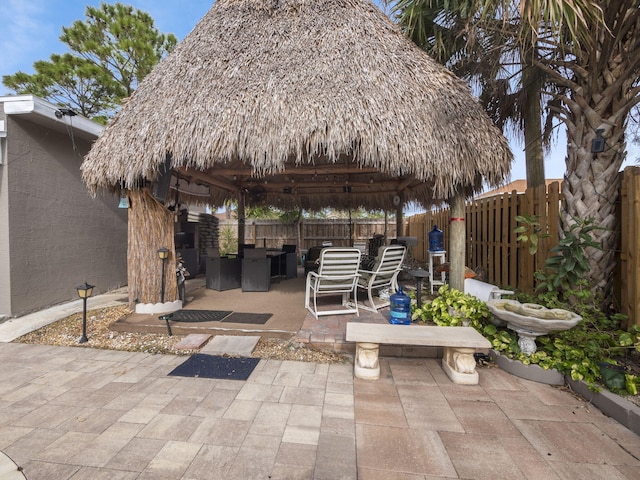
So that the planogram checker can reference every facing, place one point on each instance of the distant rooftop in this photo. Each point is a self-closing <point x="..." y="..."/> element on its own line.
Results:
<point x="518" y="185"/>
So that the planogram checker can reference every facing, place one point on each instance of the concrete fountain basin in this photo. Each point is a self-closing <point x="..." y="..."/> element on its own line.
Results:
<point x="531" y="320"/>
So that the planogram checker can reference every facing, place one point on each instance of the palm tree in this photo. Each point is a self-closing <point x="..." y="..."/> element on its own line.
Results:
<point x="590" y="51"/>
<point x="485" y="51"/>
<point x="600" y="80"/>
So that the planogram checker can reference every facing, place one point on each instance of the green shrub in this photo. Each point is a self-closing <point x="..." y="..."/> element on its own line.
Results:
<point x="228" y="242"/>
<point x="452" y="308"/>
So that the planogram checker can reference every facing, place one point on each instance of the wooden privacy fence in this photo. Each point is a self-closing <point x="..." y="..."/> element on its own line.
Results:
<point x="492" y="248"/>
<point x="630" y="245"/>
<point x="339" y="232"/>
<point x="491" y="243"/>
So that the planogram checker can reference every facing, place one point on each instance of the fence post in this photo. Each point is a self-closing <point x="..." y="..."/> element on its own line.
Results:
<point x="540" y="211"/>
<point x="525" y="259"/>
<point x="505" y="227"/>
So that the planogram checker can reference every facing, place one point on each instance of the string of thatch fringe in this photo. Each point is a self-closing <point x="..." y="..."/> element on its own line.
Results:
<point x="309" y="103"/>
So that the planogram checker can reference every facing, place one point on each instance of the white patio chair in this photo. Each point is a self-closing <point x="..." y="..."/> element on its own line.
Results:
<point x="383" y="274"/>
<point x="337" y="275"/>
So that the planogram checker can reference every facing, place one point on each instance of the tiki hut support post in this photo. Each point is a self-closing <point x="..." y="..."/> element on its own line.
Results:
<point x="241" y="218"/>
<point x="457" y="241"/>
<point x="150" y="228"/>
<point x="399" y="219"/>
<point x="299" y="225"/>
<point x="386" y="225"/>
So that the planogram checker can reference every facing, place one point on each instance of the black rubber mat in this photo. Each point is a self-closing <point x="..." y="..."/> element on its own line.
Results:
<point x="255" y="318"/>
<point x="196" y="315"/>
<point x="214" y="366"/>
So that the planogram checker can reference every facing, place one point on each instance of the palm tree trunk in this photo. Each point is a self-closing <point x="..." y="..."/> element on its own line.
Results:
<point x="532" y="122"/>
<point x="602" y="92"/>
<point x="591" y="189"/>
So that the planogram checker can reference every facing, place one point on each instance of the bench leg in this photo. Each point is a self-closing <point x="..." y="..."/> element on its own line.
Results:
<point x="460" y="365"/>
<point x="366" y="365"/>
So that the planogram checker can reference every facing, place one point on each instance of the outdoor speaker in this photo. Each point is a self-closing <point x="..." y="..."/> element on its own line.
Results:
<point x="161" y="185"/>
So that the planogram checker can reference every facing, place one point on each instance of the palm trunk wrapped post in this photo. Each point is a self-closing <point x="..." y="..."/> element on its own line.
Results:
<point x="150" y="228"/>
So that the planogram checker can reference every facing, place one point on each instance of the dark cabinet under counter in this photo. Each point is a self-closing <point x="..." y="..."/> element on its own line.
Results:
<point x="224" y="273"/>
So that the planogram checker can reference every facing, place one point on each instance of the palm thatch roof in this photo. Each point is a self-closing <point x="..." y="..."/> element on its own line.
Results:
<point x="307" y="103"/>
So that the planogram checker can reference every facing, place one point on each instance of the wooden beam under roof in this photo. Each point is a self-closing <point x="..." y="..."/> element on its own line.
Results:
<point x="207" y="179"/>
<point x="298" y="170"/>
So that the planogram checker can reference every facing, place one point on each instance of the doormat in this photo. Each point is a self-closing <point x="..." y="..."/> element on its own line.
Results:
<point x="196" y="315"/>
<point x="255" y="318"/>
<point x="214" y="366"/>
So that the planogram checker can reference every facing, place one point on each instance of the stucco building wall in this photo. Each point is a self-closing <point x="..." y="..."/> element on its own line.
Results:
<point x="54" y="234"/>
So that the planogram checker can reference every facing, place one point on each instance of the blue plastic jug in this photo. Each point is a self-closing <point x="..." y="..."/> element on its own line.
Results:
<point x="436" y="240"/>
<point x="400" y="305"/>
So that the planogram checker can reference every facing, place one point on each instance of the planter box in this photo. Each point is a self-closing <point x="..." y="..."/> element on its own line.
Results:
<point x="528" y="372"/>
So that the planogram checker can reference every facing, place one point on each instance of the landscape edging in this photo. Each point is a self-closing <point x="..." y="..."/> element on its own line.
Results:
<point x="620" y="409"/>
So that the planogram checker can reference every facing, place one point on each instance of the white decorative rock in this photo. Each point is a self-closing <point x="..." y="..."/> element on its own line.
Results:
<point x="158" y="308"/>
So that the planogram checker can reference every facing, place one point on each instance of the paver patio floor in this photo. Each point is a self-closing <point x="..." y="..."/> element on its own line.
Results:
<point x="69" y="412"/>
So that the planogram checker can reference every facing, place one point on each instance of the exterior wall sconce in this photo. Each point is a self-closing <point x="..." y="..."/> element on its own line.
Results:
<point x="84" y="291"/>
<point x="163" y="254"/>
<point x="597" y="144"/>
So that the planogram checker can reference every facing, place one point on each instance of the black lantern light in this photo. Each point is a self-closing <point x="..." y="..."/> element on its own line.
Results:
<point x="163" y="254"/>
<point x="84" y="291"/>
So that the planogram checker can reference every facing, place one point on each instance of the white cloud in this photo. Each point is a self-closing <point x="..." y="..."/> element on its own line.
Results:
<point x="26" y="31"/>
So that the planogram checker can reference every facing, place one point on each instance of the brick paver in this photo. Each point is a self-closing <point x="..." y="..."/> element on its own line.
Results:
<point x="83" y="413"/>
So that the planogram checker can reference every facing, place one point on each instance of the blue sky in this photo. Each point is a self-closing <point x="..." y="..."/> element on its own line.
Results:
<point x="31" y="29"/>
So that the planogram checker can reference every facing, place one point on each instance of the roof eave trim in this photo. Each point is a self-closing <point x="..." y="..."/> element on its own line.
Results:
<point x="31" y="104"/>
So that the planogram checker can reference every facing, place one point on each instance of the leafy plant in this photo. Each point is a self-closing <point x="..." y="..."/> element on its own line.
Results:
<point x="529" y="232"/>
<point x="576" y="352"/>
<point x="579" y="350"/>
<point x="568" y="265"/>
<point x="228" y="240"/>
<point x="452" y="308"/>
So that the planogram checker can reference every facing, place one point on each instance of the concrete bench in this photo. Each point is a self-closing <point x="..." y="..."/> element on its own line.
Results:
<point x="460" y="343"/>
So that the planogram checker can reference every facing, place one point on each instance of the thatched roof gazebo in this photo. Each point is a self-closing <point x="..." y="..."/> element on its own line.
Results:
<point x="295" y="103"/>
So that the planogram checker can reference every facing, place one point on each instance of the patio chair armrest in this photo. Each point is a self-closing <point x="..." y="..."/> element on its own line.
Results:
<point x="338" y="277"/>
<point x="360" y="270"/>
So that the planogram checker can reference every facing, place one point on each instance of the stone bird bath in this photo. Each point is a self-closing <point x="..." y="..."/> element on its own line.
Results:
<point x="530" y="320"/>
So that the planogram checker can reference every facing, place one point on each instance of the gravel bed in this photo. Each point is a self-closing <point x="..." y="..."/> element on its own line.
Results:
<point x="66" y="332"/>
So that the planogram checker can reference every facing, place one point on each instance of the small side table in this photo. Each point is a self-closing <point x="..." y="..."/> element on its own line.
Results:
<point x="442" y="257"/>
<point x="419" y="275"/>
